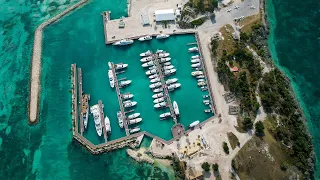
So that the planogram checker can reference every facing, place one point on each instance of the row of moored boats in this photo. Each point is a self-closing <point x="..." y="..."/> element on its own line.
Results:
<point x="124" y="42"/>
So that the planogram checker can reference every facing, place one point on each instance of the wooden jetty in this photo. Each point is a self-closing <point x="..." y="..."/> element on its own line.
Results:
<point x="80" y="100"/>
<point x="164" y="86"/>
<point x="106" y="18"/>
<point x="74" y="98"/>
<point x="104" y="130"/>
<point x="116" y="83"/>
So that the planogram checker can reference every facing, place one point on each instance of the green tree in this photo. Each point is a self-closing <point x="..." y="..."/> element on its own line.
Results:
<point x="205" y="166"/>
<point x="215" y="167"/>
<point x="244" y="36"/>
<point x="247" y="124"/>
<point x="259" y="129"/>
<point x="225" y="147"/>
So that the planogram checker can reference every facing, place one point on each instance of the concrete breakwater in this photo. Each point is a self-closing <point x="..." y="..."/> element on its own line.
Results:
<point x="36" y="64"/>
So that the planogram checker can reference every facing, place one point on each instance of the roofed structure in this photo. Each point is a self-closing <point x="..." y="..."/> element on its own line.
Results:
<point x="165" y="15"/>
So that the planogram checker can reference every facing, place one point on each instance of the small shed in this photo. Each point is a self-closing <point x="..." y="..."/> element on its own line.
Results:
<point x="165" y="15"/>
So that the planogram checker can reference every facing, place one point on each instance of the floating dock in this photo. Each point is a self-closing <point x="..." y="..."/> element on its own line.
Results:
<point x="74" y="98"/>
<point x="80" y="100"/>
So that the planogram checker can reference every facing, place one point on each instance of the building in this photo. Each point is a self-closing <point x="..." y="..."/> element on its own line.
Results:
<point x="165" y="15"/>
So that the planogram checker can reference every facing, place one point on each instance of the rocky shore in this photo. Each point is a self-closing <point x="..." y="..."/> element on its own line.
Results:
<point x="140" y="155"/>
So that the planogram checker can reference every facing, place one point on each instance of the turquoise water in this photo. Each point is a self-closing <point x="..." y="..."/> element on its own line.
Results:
<point x="294" y="42"/>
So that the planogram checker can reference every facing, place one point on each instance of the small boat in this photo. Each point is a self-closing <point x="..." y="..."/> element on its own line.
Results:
<point x="163" y="55"/>
<point x="153" y="76"/>
<point x="165" y="59"/>
<point x="174" y="86"/>
<point x="146" y="59"/>
<point x="201" y="80"/>
<point x="159" y="51"/>
<point x="196" y="65"/>
<point x="204" y="88"/>
<point x="111" y="78"/>
<point x="120" y="119"/>
<point x="162" y="36"/>
<point x="145" y="38"/>
<point x="196" y="73"/>
<point x="134" y="121"/>
<point x="206" y="101"/>
<point x="155" y="80"/>
<point x="202" y="83"/>
<point x="158" y="95"/>
<point x="205" y="96"/>
<point x="125" y="83"/>
<point x="133" y="116"/>
<point x="193" y="49"/>
<point x="176" y="108"/>
<point x="195" y="57"/>
<point x="107" y="124"/>
<point x="135" y="129"/>
<point x="167" y="63"/>
<point x="155" y="85"/>
<point x="147" y="64"/>
<point x="147" y="53"/>
<point x="121" y="66"/>
<point x="152" y="71"/>
<point x="194" y="124"/>
<point x="200" y="76"/>
<point x="129" y="104"/>
<point x="157" y="90"/>
<point x="95" y="110"/>
<point x="170" y="71"/>
<point x="207" y="110"/>
<point x="168" y="67"/>
<point x="110" y="65"/>
<point x="170" y="81"/>
<point x="127" y="96"/>
<point x="195" y="60"/>
<point x="152" y="67"/>
<point x="85" y="109"/>
<point x="158" y="100"/>
<point x="165" y="115"/>
<point x="160" y="105"/>
<point x="123" y="42"/>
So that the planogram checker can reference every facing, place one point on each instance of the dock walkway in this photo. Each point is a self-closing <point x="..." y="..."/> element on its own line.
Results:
<point x="80" y="100"/>
<point x="74" y="98"/>
<point x="106" y="18"/>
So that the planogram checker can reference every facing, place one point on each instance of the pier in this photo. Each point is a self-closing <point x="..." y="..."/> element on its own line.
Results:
<point x="106" y="18"/>
<point x="74" y="98"/>
<point x="164" y="86"/>
<point x="36" y="64"/>
<point x="104" y="130"/>
<point x="116" y="83"/>
<point x="80" y="100"/>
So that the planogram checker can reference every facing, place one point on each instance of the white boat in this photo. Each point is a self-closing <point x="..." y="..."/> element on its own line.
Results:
<point x="153" y="76"/>
<point x="160" y="105"/>
<point x="196" y="65"/>
<point x="168" y="72"/>
<point x="195" y="60"/>
<point x="168" y="67"/>
<point x="111" y="78"/>
<point x="121" y="66"/>
<point x="167" y="63"/>
<point x="120" y="119"/>
<point x="135" y="129"/>
<point x="125" y="83"/>
<point x="123" y="42"/>
<point x="127" y="96"/>
<point x="174" y="86"/>
<point x="85" y="109"/>
<point x="110" y="65"/>
<point x="134" y="121"/>
<point x="170" y="81"/>
<point x="129" y="104"/>
<point x="147" y="53"/>
<point x="194" y="124"/>
<point x="146" y="59"/>
<point x="207" y="110"/>
<point x="147" y="64"/>
<point x="145" y="38"/>
<point x="158" y="95"/>
<point x="201" y="80"/>
<point x="200" y="76"/>
<point x="152" y="67"/>
<point x="155" y="80"/>
<point x="107" y="124"/>
<point x="159" y="51"/>
<point x="157" y="90"/>
<point x="158" y="100"/>
<point x="206" y="101"/>
<point x="195" y="57"/>
<point x="202" y="83"/>
<point x="165" y="59"/>
<point x="155" y="85"/>
<point x="165" y="115"/>
<point x="163" y="55"/>
<point x="152" y="71"/>
<point x="176" y="108"/>
<point x="134" y="115"/>
<point x="162" y="36"/>
<point x="196" y="73"/>
<point x="95" y="110"/>
<point x="193" y="49"/>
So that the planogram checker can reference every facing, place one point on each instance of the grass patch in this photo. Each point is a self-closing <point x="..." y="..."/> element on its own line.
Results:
<point x="239" y="128"/>
<point x="228" y="43"/>
<point x="250" y="21"/>
<point x="233" y="140"/>
<point x="198" y="22"/>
